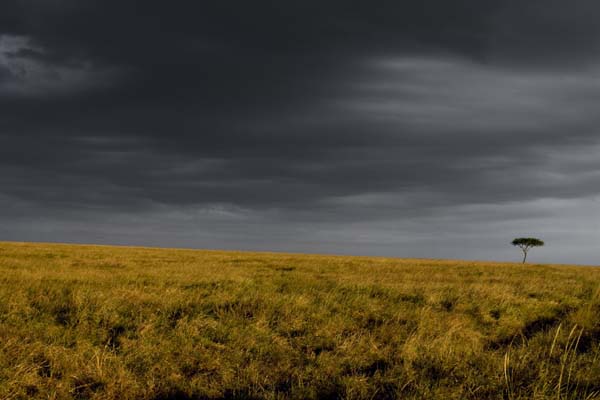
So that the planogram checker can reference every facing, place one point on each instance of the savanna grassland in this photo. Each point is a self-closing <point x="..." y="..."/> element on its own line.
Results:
<point x="138" y="323"/>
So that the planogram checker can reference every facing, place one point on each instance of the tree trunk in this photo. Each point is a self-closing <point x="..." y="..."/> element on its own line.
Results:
<point x="524" y="256"/>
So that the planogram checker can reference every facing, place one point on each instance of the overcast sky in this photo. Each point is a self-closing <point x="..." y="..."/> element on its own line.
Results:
<point x="436" y="129"/>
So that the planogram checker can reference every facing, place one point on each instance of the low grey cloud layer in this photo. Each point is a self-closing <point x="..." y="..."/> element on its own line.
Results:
<point x="423" y="129"/>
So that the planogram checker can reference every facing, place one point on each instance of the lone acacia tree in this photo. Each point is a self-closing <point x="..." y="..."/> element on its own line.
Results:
<point x="525" y="244"/>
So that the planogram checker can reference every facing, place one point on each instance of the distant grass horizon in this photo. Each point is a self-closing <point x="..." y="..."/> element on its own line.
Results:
<point x="517" y="255"/>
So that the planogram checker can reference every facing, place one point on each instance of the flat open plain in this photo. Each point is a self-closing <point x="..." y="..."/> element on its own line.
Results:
<point x="104" y="322"/>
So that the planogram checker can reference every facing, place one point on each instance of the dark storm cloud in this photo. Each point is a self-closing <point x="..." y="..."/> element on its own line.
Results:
<point x="304" y="118"/>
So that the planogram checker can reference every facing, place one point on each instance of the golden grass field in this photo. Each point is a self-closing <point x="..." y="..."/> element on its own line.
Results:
<point x="139" y="323"/>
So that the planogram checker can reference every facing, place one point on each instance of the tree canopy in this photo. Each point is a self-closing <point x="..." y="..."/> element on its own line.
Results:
<point x="525" y="244"/>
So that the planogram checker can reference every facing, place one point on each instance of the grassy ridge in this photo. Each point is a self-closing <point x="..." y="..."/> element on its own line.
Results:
<point x="136" y="323"/>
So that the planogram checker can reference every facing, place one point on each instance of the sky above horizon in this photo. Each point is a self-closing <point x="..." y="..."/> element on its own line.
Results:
<point x="432" y="128"/>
